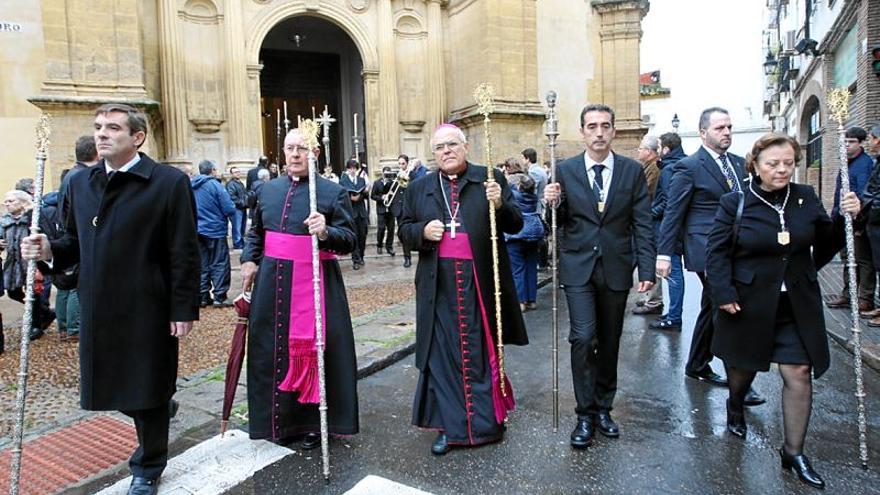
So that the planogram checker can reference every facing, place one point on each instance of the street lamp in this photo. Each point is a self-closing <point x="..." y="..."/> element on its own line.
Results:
<point x="675" y="122"/>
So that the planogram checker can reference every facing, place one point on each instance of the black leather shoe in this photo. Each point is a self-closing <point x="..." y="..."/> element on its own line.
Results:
<point x="407" y="262"/>
<point x="753" y="398"/>
<point x="606" y="425"/>
<point x="311" y="441"/>
<point x="440" y="446"/>
<point x="583" y="433"/>
<point x="173" y="406"/>
<point x="204" y="303"/>
<point x="143" y="486"/>
<point x="736" y="422"/>
<point x="664" y="324"/>
<point x="379" y="250"/>
<point x="355" y="266"/>
<point x="800" y="464"/>
<point x="390" y="251"/>
<point x="707" y="375"/>
<point x="35" y="334"/>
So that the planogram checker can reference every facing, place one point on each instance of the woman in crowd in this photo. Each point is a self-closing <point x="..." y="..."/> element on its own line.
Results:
<point x="764" y="251"/>
<point x="522" y="247"/>
<point x="14" y="226"/>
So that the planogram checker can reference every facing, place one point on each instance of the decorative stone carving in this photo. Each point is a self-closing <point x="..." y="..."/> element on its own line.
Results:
<point x="207" y="126"/>
<point x="359" y="5"/>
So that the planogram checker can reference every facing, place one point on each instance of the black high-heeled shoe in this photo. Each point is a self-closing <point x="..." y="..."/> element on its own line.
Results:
<point x="736" y="422"/>
<point x="800" y="464"/>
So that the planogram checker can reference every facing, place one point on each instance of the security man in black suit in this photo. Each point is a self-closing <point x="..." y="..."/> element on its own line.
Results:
<point x="605" y="216"/>
<point x="698" y="183"/>
<point x="384" y="217"/>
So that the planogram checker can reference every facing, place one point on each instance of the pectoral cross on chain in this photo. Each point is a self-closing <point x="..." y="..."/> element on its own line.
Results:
<point x="451" y="226"/>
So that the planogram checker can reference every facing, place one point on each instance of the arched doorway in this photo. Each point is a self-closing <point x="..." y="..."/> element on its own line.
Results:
<point x="310" y="63"/>
<point x="811" y="136"/>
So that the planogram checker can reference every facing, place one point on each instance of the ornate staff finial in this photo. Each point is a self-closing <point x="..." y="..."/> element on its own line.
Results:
<point x="484" y="94"/>
<point x="309" y="130"/>
<point x="838" y="104"/>
<point x="44" y="131"/>
<point x="551" y="99"/>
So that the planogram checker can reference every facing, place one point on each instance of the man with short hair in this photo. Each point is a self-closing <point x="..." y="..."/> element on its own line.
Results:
<point x="860" y="166"/>
<point x="132" y="227"/>
<point x="384" y="216"/>
<point x="648" y="155"/>
<point x="215" y="209"/>
<point x="871" y="201"/>
<point x="445" y="218"/>
<point x="604" y="214"/>
<point x="670" y="154"/>
<point x="357" y="192"/>
<point x="536" y="172"/>
<point x="262" y="164"/>
<point x="698" y="183"/>
<point x="238" y="195"/>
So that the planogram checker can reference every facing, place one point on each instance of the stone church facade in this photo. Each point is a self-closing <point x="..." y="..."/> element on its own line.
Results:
<point x="215" y="75"/>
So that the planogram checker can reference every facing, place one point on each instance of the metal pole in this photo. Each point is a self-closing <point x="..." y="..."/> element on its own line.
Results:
<point x="552" y="134"/>
<point x="838" y="102"/>
<point x="43" y="132"/>
<point x="309" y="131"/>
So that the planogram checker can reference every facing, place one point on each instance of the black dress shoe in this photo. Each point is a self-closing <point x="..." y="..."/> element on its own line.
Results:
<point x="390" y="251"/>
<point x="143" y="486"/>
<point x="440" y="446"/>
<point x="800" y="464"/>
<point x="664" y="324"/>
<point x="407" y="262"/>
<point x="173" y="406"/>
<point x="707" y="375"/>
<point x="355" y="266"/>
<point x="311" y="441"/>
<point x="736" y="422"/>
<point x="583" y="433"/>
<point x="379" y="250"/>
<point x="606" y="425"/>
<point x="753" y="398"/>
<point x="35" y="334"/>
<point x="204" y="303"/>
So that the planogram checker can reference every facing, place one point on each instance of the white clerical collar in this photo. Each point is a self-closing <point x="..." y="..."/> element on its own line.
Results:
<point x="608" y="162"/>
<point x="125" y="168"/>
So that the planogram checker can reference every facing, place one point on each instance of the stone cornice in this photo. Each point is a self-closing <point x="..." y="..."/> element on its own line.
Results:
<point x="605" y="6"/>
<point x="503" y="110"/>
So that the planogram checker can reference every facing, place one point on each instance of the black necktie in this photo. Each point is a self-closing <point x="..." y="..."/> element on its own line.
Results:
<point x="732" y="181"/>
<point x="597" y="181"/>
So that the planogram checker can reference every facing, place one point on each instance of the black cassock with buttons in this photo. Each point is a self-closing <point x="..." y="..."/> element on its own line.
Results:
<point x="282" y="207"/>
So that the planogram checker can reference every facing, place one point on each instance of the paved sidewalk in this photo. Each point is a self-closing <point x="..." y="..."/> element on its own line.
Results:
<point x="838" y="321"/>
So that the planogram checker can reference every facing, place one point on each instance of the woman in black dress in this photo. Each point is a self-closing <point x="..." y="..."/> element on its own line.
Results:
<point x="761" y="268"/>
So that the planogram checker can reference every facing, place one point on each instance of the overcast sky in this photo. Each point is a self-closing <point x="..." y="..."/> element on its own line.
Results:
<point x="709" y="53"/>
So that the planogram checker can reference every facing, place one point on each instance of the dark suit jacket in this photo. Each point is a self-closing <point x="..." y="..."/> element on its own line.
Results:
<point x="380" y="187"/>
<point x="588" y="235"/>
<point x="360" y="206"/>
<point x="752" y="272"/>
<point x="697" y="185"/>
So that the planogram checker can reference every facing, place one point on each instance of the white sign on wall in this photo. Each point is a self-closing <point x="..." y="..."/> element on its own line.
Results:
<point x="10" y="27"/>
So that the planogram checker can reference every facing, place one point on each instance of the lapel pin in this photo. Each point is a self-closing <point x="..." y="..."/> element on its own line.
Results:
<point x="800" y="202"/>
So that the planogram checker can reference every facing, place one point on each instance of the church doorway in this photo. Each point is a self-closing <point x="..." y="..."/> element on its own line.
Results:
<point x="310" y="63"/>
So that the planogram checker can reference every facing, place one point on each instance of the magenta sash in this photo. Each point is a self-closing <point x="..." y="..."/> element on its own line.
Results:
<point x="302" y="373"/>
<point x="460" y="248"/>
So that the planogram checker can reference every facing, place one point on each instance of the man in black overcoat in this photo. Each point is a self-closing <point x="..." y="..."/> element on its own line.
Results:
<point x="604" y="213"/>
<point x="698" y="183"/>
<point x="446" y="218"/>
<point x="129" y="215"/>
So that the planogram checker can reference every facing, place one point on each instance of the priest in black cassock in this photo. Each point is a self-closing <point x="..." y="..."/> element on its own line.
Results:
<point x="446" y="218"/>
<point x="276" y="262"/>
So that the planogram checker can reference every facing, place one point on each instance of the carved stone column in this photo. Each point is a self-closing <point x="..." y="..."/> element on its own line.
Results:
<point x="389" y="129"/>
<point x="620" y="34"/>
<point x="372" y="120"/>
<point x="173" y="84"/>
<point x="436" y="79"/>
<point x="237" y="102"/>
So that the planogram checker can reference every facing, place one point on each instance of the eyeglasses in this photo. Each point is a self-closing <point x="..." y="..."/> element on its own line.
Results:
<point x="452" y="145"/>
<point x="299" y="150"/>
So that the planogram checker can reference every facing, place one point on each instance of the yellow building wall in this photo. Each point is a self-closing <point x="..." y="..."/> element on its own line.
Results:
<point x="23" y="62"/>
